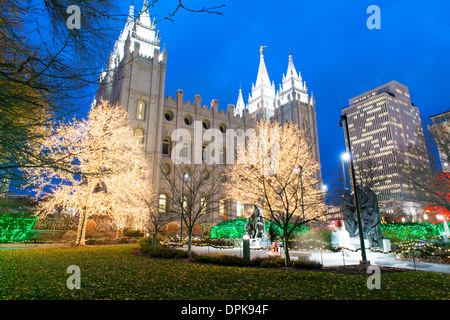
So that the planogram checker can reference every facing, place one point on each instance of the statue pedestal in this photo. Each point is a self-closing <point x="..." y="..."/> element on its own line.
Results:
<point x="341" y="239"/>
<point x="260" y="243"/>
<point x="357" y="243"/>
<point x="386" y="245"/>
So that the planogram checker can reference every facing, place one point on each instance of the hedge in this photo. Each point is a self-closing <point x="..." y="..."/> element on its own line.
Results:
<point x="399" y="232"/>
<point x="236" y="229"/>
<point x="14" y="227"/>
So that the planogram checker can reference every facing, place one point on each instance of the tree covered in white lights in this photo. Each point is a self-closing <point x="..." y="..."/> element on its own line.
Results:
<point x="100" y="162"/>
<point x="279" y="173"/>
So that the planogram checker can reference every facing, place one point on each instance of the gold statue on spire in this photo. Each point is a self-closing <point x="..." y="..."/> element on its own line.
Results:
<point x="261" y="49"/>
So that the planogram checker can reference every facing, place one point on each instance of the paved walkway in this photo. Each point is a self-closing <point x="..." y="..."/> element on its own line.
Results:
<point x="329" y="259"/>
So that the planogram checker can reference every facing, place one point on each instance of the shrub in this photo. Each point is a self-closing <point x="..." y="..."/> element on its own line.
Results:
<point x="424" y="250"/>
<point x="132" y="233"/>
<point x="229" y="229"/>
<point x="90" y="226"/>
<point x="235" y="261"/>
<point x="217" y="242"/>
<point x="69" y="235"/>
<point x="173" y="228"/>
<point x="167" y="253"/>
<point x="222" y="259"/>
<point x="145" y="246"/>
<point x="236" y="229"/>
<point x="272" y="262"/>
<point x="405" y="231"/>
<point x="14" y="227"/>
<point x="306" y="264"/>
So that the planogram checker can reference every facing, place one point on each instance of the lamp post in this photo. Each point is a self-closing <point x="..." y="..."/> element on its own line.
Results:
<point x="324" y="188"/>
<point x="355" y="195"/>
<point x="345" y="157"/>
<point x="246" y="247"/>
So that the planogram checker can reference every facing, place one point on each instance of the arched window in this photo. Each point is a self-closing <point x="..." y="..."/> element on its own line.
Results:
<point x="223" y="209"/>
<point x="204" y="153"/>
<point x="139" y="134"/>
<point x="186" y="151"/>
<point x="222" y="155"/>
<point x="166" y="146"/>
<point x="140" y="110"/>
<point x="239" y="209"/>
<point x="305" y="126"/>
<point x="162" y="202"/>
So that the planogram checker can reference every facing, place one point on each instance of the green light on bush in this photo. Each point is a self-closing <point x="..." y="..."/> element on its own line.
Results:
<point x="398" y="232"/>
<point x="236" y="229"/>
<point x="14" y="227"/>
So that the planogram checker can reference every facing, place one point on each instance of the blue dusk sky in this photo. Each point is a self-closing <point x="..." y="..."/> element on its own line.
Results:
<point x="337" y="55"/>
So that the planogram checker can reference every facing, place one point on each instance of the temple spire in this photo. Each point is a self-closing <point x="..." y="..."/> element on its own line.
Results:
<point x="144" y="16"/>
<point x="263" y="76"/>
<point x="262" y="97"/>
<point x="291" y="71"/>
<point x="240" y="105"/>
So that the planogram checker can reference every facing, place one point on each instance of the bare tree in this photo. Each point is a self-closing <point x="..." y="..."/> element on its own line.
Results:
<point x="368" y="171"/>
<point x="146" y="198"/>
<point x="195" y="193"/>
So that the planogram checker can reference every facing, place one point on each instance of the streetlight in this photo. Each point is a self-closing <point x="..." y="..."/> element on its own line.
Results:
<point x="355" y="195"/>
<point x="324" y="188"/>
<point x="246" y="247"/>
<point x="345" y="157"/>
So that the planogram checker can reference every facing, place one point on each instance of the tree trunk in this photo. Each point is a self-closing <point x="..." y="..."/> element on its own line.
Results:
<point x="81" y="230"/>
<point x="189" y="243"/>
<point x="154" y="241"/>
<point x="286" y="251"/>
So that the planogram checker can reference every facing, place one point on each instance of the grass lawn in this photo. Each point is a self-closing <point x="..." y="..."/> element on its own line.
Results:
<point x="112" y="272"/>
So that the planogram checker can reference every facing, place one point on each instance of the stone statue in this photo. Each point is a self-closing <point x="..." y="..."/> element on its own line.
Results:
<point x="249" y="229"/>
<point x="258" y="226"/>
<point x="348" y="209"/>
<point x="372" y="220"/>
<point x="362" y="199"/>
<point x="370" y="215"/>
